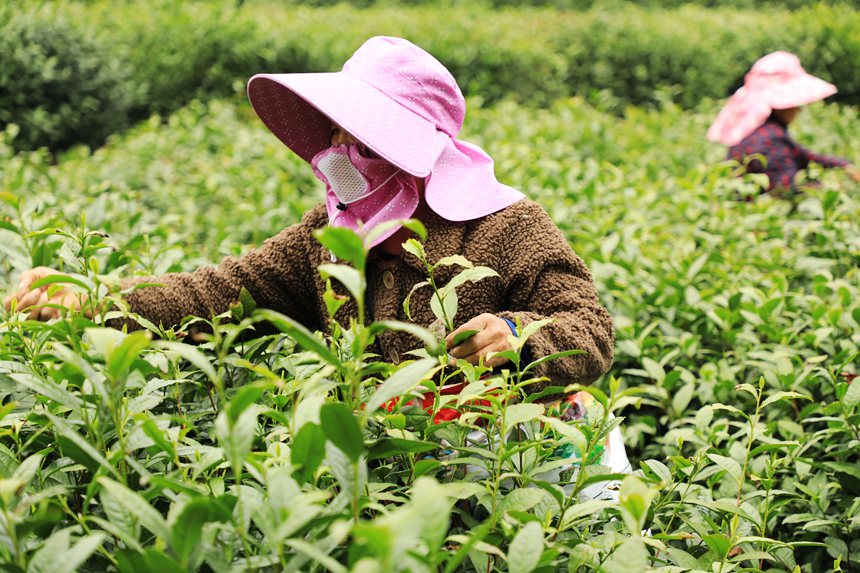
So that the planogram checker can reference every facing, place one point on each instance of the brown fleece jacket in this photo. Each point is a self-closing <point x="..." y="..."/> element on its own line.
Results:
<point x="539" y="277"/>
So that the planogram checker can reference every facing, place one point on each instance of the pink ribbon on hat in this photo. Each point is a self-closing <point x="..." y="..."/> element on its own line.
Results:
<point x="776" y="81"/>
<point x="405" y="106"/>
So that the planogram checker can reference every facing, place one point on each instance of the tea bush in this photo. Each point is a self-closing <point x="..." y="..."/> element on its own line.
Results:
<point x="58" y="84"/>
<point x="736" y="354"/>
<point x="532" y="55"/>
<point x="157" y="56"/>
<point x="588" y="4"/>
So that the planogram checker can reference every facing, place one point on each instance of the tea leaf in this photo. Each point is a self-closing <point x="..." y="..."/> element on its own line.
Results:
<point x="463" y="336"/>
<point x="246" y="396"/>
<point x="342" y="430"/>
<point x="446" y="308"/>
<point x="53" y="391"/>
<point x="522" y="499"/>
<point x="842" y="467"/>
<point x="122" y="356"/>
<point x="237" y="436"/>
<point x="156" y="434"/>
<point x="190" y="354"/>
<point x="316" y="555"/>
<point x="347" y="276"/>
<point x="413" y="225"/>
<point x="158" y="561"/>
<point x="60" y="279"/>
<point x="389" y="447"/>
<point x="186" y="532"/>
<point x="682" y="398"/>
<point x="659" y="469"/>
<point x="415" y="248"/>
<point x="462" y="490"/>
<point x="726" y="506"/>
<point x="718" y="543"/>
<point x="634" y="499"/>
<point x="473" y="274"/>
<point x="333" y="301"/>
<point x="458" y="260"/>
<point x="351" y="476"/>
<point x="406" y="301"/>
<point x="525" y="550"/>
<point x="553" y="356"/>
<point x="683" y="559"/>
<point x="630" y="556"/>
<point x="422" y="334"/>
<point x="299" y="333"/>
<point x="344" y="243"/>
<point x="568" y="431"/>
<point x="732" y="467"/>
<point x="403" y="380"/>
<point x="852" y="394"/>
<point x="520" y="413"/>
<point x="86" y="453"/>
<point x="308" y="451"/>
<point x="249" y="305"/>
<point x="138" y="507"/>
<point x="782" y="396"/>
<point x="58" y="555"/>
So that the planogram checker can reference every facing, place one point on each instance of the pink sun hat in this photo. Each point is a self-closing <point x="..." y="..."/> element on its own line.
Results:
<point x="776" y="81"/>
<point x="403" y="104"/>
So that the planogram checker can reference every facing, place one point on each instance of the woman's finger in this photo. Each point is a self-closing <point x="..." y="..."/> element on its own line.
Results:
<point x="47" y="312"/>
<point x="30" y="298"/>
<point x="36" y="307"/>
<point x="470" y="345"/>
<point x="476" y="357"/>
<point x="70" y="300"/>
<point x="482" y="352"/>
<point x="477" y="323"/>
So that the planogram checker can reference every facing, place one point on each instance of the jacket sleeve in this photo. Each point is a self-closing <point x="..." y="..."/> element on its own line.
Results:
<point x="278" y="275"/>
<point x="805" y="157"/>
<point x="546" y="279"/>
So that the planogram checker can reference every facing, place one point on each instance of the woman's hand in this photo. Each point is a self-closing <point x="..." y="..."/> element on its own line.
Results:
<point x="36" y="299"/>
<point x="492" y="336"/>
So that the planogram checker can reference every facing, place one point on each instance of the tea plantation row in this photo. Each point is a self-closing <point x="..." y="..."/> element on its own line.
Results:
<point x="737" y="344"/>
<point x="78" y="71"/>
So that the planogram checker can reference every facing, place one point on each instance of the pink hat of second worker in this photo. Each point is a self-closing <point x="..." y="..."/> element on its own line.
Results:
<point x="404" y="105"/>
<point x="776" y="81"/>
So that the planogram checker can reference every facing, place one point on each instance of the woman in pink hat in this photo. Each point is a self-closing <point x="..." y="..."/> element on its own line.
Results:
<point x="754" y="122"/>
<point x="382" y="136"/>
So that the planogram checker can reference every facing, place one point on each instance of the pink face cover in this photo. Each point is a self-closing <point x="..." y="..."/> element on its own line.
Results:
<point x="401" y="103"/>
<point x="776" y="81"/>
<point x="363" y="191"/>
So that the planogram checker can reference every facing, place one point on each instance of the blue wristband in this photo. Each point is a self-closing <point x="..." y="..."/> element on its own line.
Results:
<point x="525" y="353"/>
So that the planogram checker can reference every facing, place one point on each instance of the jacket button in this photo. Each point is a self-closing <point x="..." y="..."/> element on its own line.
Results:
<point x="388" y="279"/>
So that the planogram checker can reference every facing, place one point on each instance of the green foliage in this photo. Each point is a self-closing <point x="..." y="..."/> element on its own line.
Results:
<point x="178" y="51"/>
<point x="736" y="349"/>
<point x="58" y="84"/>
<point x="155" y="57"/>
<point x="584" y="4"/>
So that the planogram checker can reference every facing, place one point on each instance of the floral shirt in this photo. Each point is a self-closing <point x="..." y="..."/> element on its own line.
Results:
<point x="784" y="157"/>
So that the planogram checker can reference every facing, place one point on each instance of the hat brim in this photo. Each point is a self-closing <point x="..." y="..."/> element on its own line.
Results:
<point x="300" y="108"/>
<point x="802" y="90"/>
